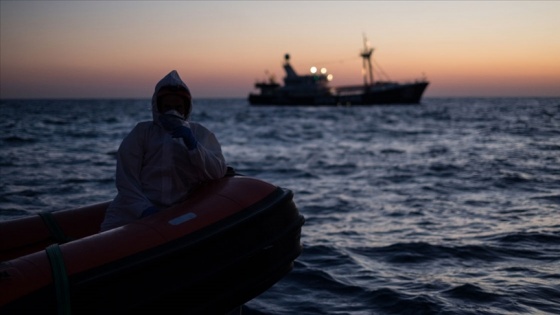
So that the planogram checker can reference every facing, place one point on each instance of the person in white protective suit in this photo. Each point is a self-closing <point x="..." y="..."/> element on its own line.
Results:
<point x="159" y="162"/>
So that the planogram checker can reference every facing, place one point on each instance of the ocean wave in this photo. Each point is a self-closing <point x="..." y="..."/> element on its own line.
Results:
<point x="532" y="238"/>
<point x="420" y="252"/>
<point x="15" y="140"/>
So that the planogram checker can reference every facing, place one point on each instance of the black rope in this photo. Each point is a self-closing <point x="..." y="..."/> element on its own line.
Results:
<point x="60" y="279"/>
<point x="54" y="229"/>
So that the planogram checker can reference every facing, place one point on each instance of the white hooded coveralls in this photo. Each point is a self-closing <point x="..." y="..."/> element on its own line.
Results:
<point x="154" y="169"/>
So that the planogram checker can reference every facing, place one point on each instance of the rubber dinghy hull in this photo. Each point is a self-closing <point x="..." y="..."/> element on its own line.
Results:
<point x="231" y="241"/>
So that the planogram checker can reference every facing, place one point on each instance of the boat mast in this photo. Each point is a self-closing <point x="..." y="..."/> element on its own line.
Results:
<point x="366" y="60"/>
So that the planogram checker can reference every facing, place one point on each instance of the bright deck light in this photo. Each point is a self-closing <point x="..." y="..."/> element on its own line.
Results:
<point x="313" y="70"/>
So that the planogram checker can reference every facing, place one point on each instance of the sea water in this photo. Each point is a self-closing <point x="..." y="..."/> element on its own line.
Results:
<point x="447" y="207"/>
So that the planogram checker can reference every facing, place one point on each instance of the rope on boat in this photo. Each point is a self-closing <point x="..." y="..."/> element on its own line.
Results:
<point x="60" y="279"/>
<point x="54" y="229"/>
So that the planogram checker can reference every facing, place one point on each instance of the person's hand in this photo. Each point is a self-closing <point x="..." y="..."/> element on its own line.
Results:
<point x="170" y="122"/>
<point x="149" y="211"/>
<point x="175" y="127"/>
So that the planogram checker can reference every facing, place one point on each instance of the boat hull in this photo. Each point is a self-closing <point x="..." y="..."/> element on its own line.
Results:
<point x="211" y="266"/>
<point x="381" y="94"/>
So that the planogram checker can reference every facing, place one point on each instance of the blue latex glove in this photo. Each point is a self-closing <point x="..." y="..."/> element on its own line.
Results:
<point x="174" y="126"/>
<point x="149" y="211"/>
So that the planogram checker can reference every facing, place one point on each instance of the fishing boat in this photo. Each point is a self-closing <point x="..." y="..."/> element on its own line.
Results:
<point x="229" y="242"/>
<point x="314" y="89"/>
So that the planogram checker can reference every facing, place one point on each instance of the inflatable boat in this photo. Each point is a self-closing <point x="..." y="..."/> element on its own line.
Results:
<point x="229" y="242"/>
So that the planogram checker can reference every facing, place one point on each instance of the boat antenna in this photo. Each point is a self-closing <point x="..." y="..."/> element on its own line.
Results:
<point x="290" y="72"/>
<point x="366" y="61"/>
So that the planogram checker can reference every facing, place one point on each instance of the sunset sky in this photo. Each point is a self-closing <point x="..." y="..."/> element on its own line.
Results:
<point x="117" y="49"/>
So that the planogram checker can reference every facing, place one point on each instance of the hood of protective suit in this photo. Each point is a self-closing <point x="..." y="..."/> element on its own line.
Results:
<point x="172" y="79"/>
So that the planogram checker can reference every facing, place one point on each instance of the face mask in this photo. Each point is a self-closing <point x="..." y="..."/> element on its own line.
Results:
<point x="173" y="112"/>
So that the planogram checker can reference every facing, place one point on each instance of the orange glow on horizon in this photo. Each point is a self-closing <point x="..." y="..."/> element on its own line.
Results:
<point x="121" y="49"/>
